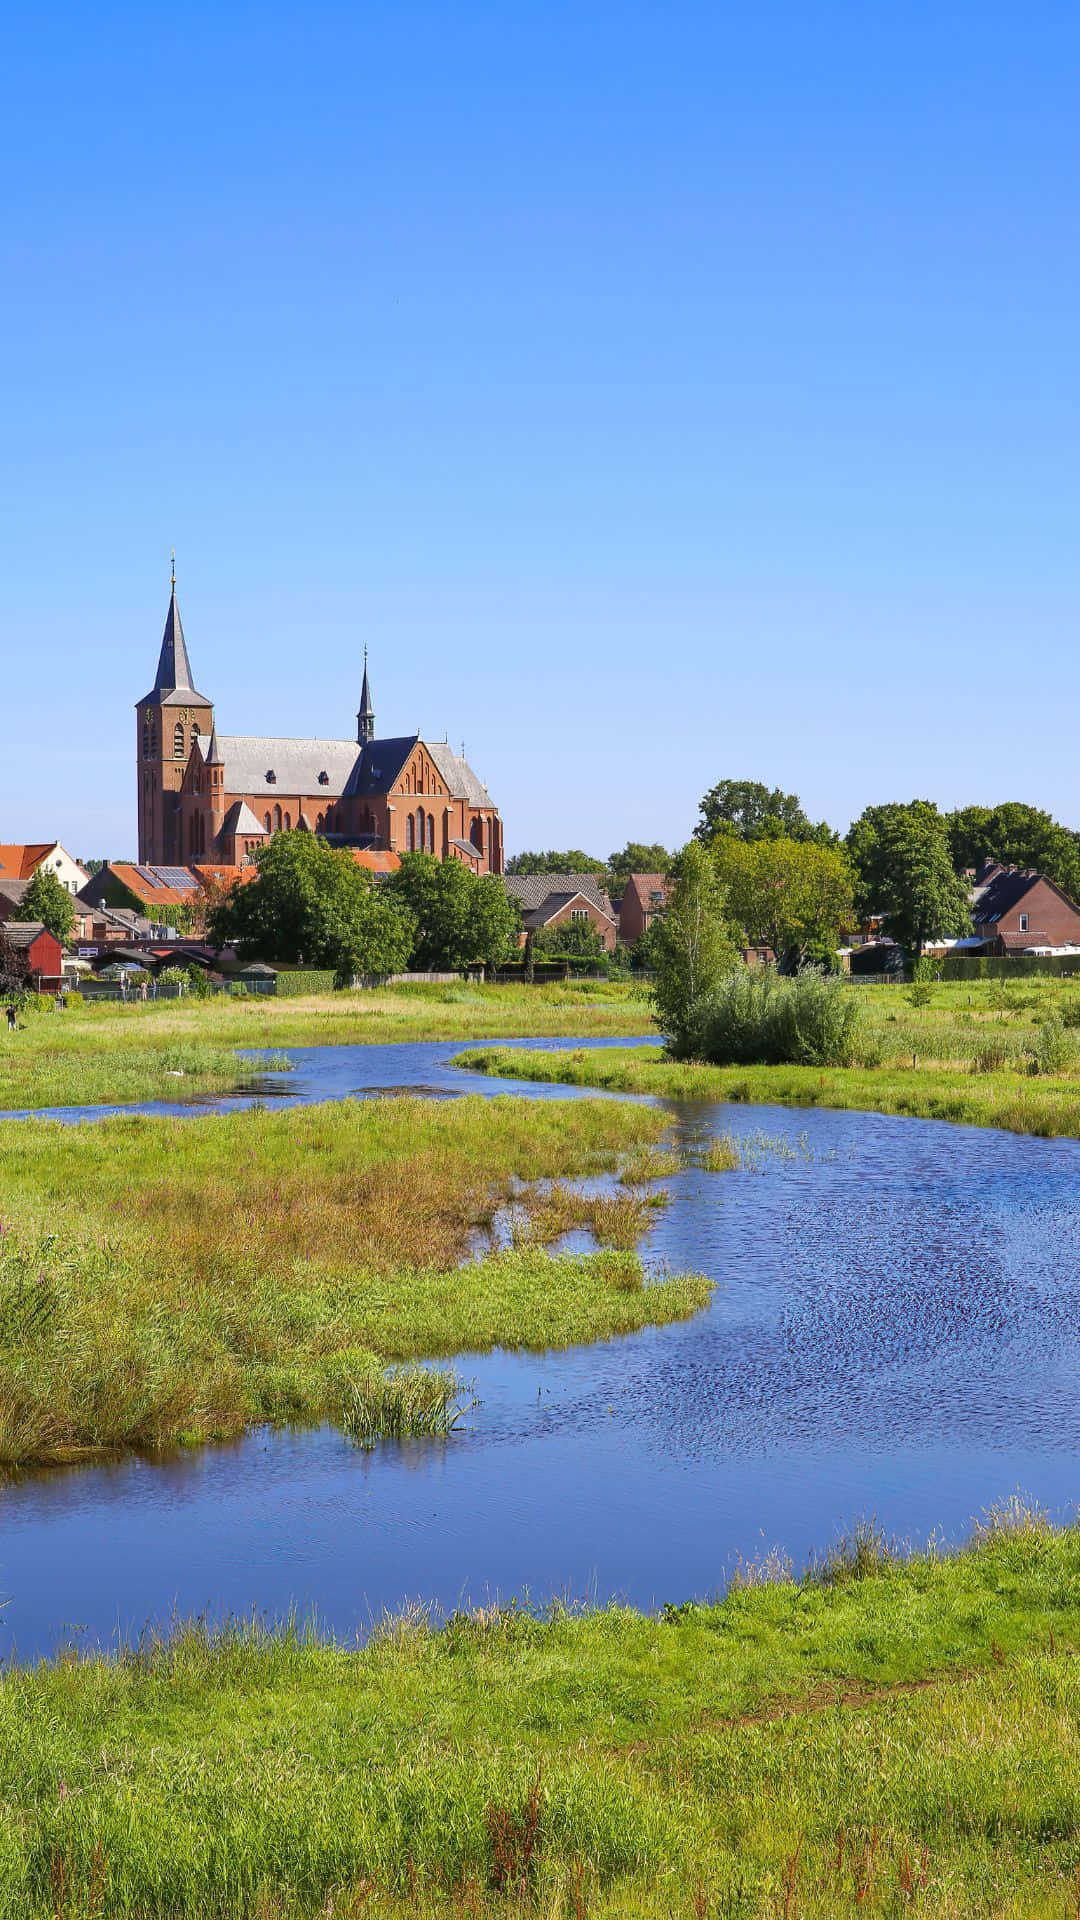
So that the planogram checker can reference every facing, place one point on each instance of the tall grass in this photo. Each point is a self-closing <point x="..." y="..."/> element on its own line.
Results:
<point x="759" y="1016"/>
<point x="254" y="1267"/>
<point x="902" y="1742"/>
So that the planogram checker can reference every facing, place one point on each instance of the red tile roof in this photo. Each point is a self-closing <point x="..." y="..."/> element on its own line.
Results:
<point x="21" y="863"/>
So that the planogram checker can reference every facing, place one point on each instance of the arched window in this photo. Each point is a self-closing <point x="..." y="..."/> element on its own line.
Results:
<point x="410" y="834"/>
<point x="318" y="823"/>
<point x="178" y="741"/>
<point x="266" y="821"/>
<point x="476" y="834"/>
<point x="277" y="819"/>
<point x="420" y="835"/>
<point x="431" y="832"/>
<point x="148" y="735"/>
<point x="288" y="822"/>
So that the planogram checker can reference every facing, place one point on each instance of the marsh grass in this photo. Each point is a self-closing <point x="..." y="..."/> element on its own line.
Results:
<point x="905" y="1741"/>
<point x="722" y="1155"/>
<point x="117" y="1054"/>
<point x="401" y="1403"/>
<point x="247" y="1267"/>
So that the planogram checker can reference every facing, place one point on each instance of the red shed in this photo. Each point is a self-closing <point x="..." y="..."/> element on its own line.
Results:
<point x="39" y="951"/>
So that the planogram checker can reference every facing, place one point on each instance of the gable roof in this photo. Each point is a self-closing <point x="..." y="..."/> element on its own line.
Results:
<point x="645" y="885"/>
<point x="297" y="764"/>
<point x="22" y="862"/>
<point x="240" y="819"/>
<point x="375" y="859"/>
<point x="378" y="765"/>
<point x="531" y="890"/>
<point x="458" y="775"/>
<point x="556" y="903"/>
<point x="23" y="933"/>
<point x="153" y="886"/>
<point x="1003" y="891"/>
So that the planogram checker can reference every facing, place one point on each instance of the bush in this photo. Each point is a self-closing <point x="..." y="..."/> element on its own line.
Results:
<point x="1053" y="1049"/>
<point x="73" y="998"/>
<point x="756" y="1016"/>
<point x="308" y="980"/>
<point x="990" y="966"/>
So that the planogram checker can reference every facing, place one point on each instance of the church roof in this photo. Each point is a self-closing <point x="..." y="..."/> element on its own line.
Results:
<point x="459" y="776"/>
<point x="173" y="685"/>
<point x="381" y="761"/>
<point x="240" y="819"/>
<point x="296" y="764"/>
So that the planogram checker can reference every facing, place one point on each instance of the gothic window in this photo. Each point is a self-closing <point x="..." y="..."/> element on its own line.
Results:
<point x="431" y="832"/>
<point x="318" y="823"/>
<point x="266" y="821"/>
<point x="410" y="834"/>
<point x="277" y="819"/>
<point x="178" y="741"/>
<point x="420" y="835"/>
<point x="476" y="834"/>
<point x="288" y="822"/>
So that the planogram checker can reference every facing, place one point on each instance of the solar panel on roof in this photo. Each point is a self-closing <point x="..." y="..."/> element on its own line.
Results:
<point x="148" y="874"/>
<point x="178" y="877"/>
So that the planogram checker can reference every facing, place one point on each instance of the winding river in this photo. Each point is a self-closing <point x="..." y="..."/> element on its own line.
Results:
<point x="895" y="1332"/>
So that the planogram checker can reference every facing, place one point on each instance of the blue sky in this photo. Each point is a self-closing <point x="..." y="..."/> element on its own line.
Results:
<point x="663" y="393"/>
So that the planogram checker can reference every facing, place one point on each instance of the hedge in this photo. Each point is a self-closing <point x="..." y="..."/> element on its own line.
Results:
<point x="995" y="966"/>
<point x="307" y="981"/>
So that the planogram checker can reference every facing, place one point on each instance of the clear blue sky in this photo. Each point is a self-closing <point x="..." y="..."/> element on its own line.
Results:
<point x="664" y="393"/>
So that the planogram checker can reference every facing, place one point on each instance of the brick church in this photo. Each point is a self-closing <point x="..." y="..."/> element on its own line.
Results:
<point x="210" y="796"/>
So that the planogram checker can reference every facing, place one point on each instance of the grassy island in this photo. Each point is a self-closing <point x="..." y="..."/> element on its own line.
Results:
<point x="968" y="1053"/>
<point x="216" y="1272"/>
<point x="881" y="1738"/>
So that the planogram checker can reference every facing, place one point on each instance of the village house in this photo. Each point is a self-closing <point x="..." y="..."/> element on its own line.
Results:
<point x="645" y="895"/>
<point x="210" y="796"/>
<point x="1016" y="910"/>
<point x="549" y="900"/>
<point x="19" y="863"/>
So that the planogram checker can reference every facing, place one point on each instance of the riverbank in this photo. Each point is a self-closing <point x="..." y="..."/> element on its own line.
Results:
<point x="889" y="1736"/>
<point x="173" y="1281"/>
<point x="119" y="1054"/>
<point x="1043" y="1105"/>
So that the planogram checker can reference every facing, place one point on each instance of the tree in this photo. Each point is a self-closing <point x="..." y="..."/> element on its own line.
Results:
<point x="572" y="862"/>
<point x="462" y="919"/>
<point x="905" y="873"/>
<point x="312" y="903"/>
<point x="14" y="967"/>
<point x="1018" y="836"/>
<point x="794" y="896"/>
<point x="691" y="947"/>
<point x="751" y="811"/>
<point x="636" y="857"/>
<point x="48" y="900"/>
<point x="569" y="940"/>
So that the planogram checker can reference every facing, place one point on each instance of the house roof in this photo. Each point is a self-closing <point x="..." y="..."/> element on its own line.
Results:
<point x="1005" y="889"/>
<point x="23" y="933"/>
<point x="296" y="764"/>
<point x="22" y="862"/>
<point x="647" y="884"/>
<point x="209" y="875"/>
<point x="375" y="859"/>
<point x="12" y="890"/>
<point x="555" y="904"/>
<point x="153" y="886"/>
<point x="531" y="890"/>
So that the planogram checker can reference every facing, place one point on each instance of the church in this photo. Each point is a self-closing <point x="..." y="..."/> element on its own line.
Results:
<point x="217" y="797"/>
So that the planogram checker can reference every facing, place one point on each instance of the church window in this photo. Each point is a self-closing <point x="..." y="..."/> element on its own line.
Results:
<point x="318" y="823"/>
<point x="420" y="835"/>
<point x="178" y="741"/>
<point x="288" y="822"/>
<point x="266" y="821"/>
<point x="431" y="832"/>
<point x="277" y="819"/>
<point x="410" y="834"/>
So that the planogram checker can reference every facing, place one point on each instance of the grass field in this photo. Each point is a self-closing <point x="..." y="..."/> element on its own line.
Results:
<point x="117" y="1053"/>
<point x="177" y="1280"/>
<point x="967" y="1055"/>
<point x="886" y="1738"/>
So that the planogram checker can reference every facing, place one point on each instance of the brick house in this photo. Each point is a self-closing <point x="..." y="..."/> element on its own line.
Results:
<point x="1014" y="909"/>
<point x="549" y="900"/>
<point x="19" y="863"/>
<point x="37" y="951"/>
<point x="644" y="896"/>
<point x="205" y="796"/>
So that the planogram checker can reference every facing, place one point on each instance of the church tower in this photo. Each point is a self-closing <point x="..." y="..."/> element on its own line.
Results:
<point x="365" y="719"/>
<point x="168" y="718"/>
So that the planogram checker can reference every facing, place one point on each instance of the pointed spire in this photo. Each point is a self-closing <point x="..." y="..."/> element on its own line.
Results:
<point x="365" y="719"/>
<point x="214" y="756"/>
<point x="174" y="667"/>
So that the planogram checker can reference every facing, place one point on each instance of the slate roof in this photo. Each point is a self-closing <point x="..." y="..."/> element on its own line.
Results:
<point x="458" y="775"/>
<point x="297" y="764"/>
<point x="240" y="819"/>
<point x="173" y="685"/>
<point x="377" y="765"/>
<point x="1003" y="891"/>
<point x="531" y="890"/>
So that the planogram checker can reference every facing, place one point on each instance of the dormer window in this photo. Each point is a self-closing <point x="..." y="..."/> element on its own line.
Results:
<point x="324" y="778"/>
<point x="271" y="777"/>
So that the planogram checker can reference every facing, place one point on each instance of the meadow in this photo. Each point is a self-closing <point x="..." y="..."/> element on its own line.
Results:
<point x="168" y="1281"/>
<point x="878" y="1738"/>
<point x="985" y="1054"/>
<point x="176" y="1048"/>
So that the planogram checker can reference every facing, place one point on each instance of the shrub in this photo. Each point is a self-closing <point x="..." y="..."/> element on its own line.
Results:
<point x="307" y="981"/>
<point x="757" y="1016"/>
<point x="1053" y="1048"/>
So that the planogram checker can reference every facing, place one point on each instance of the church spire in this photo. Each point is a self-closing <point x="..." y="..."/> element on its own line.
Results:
<point x="365" y="719"/>
<point x="214" y="755"/>
<point x="174" y="667"/>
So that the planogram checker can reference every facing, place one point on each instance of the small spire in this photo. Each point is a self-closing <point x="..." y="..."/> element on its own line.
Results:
<point x="365" y="719"/>
<point x="174" y="566"/>
<point x="214" y="757"/>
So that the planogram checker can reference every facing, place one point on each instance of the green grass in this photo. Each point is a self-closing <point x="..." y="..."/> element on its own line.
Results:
<point x="887" y="1738"/>
<point x="124" y="1054"/>
<point x="966" y="1056"/>
<point x="166" y="1280"/>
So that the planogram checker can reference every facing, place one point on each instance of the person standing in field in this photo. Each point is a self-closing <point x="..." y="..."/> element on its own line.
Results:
<point x="12" y="1017"/>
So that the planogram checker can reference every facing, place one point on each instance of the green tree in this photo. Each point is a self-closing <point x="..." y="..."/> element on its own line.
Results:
<point x="311" y="903"/>
<point x="48" y="900"/>
<point x="794" y="896"/>
<point x="636" y="857"/>
<point x="573" y="861"/>
<point x="691" y="947"/>
<point x="570" y="940"/>
<point x="751" y="811"/>
<point x="905" y="873"/>
<point x="1018" y="836"/>
<point x="462" y="919"/>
